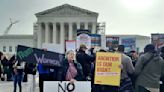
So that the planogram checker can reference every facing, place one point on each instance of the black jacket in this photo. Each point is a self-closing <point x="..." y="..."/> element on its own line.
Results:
<point x="64" y="68"/>
<point x="85" y="60"/>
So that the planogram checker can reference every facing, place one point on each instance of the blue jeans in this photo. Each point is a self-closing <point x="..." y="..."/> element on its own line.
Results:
<point x="18" y="79"/>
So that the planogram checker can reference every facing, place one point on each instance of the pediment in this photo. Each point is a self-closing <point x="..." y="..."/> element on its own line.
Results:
<point x="67" y="10"/>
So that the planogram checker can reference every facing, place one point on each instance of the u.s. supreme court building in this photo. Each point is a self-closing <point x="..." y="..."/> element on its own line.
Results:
<point x="59" y="24"/>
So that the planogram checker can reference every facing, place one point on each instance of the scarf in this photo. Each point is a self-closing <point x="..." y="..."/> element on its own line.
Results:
<point x="71" y="72"/>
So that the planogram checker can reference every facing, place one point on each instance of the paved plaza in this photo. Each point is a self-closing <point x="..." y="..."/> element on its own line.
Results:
<point x="6" y="86"/>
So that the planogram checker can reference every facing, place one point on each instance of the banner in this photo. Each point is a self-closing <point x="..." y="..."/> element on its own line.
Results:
<point x="70" y="45"/>
<point x="157" y="40"/>
<point x="112" y="42"/>
<point x="65" y="86"/>
<point x="83" y="39"/>
<point x="107" y="70"/>
<point x="129" y="43"/>
<point x="34" y="55"/>
<point x="95" y="40"/>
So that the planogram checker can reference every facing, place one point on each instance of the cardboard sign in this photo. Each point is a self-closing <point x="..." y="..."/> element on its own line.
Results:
<point x="65" y="86"/>
<point x="107" y="71"/>
<point x="34" y="55"/>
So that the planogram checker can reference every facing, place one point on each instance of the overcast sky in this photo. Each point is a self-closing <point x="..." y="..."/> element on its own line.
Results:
<point x="141" y="17"/>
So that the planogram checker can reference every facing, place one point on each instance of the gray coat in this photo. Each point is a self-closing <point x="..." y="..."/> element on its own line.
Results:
<point x="150" y="75"/>
<point x="127" y="66"/>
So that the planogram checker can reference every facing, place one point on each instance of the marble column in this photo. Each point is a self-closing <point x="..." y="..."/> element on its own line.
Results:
<point x="86" y="26"/>
<point x="39" y="37"/>
<point x="54" y="33"/>
<point x="62" y="34"/>
<point x="93" y="28"/>
<point x="47" y="33"/>
<point x="78" y="25"/>
<point x="70" y="32"/>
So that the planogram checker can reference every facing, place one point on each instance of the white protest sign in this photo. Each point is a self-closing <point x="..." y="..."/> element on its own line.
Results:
<point x="66" y="86"/>
<point x="83" y="39"/>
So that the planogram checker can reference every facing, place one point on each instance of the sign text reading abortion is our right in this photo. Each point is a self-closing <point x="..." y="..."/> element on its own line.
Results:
<point x="107" y="71"/>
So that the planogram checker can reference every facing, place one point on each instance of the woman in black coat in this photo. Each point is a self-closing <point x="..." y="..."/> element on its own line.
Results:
<point x="70" y="70"/>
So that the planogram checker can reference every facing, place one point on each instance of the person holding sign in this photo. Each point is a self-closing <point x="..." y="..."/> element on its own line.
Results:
<point x="18" y="74"/>
<point x="107" y="72"/>
<point x="71" y="70"/>
<point x="85" y="60"/>
<point x="43" y="75"/>
<point x="127" y="68"/>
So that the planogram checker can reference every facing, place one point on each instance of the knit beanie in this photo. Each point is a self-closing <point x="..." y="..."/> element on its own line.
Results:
<point x="149" y="48"/>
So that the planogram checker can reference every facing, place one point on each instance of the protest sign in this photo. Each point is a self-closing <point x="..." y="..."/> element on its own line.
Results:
<point x="66" y="86"/>
<point x="129" y="43"/>
<point x="95" y="40"/>
<point x="33" y="55"/>
<point x="83" y="37"/>
<point x="157" y="40"/>
<point x="112" y="42"/>
<point x="107" y="70"/>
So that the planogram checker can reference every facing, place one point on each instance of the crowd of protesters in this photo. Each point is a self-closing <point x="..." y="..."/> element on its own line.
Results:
<point x="16" y="71"/>
<point x="6" y="68"/>
<point x="140" y="72"/>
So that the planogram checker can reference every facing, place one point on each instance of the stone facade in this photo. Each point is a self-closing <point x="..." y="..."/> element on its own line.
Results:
<point x="61" y="23"/>
<point x="9" y="43"/>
